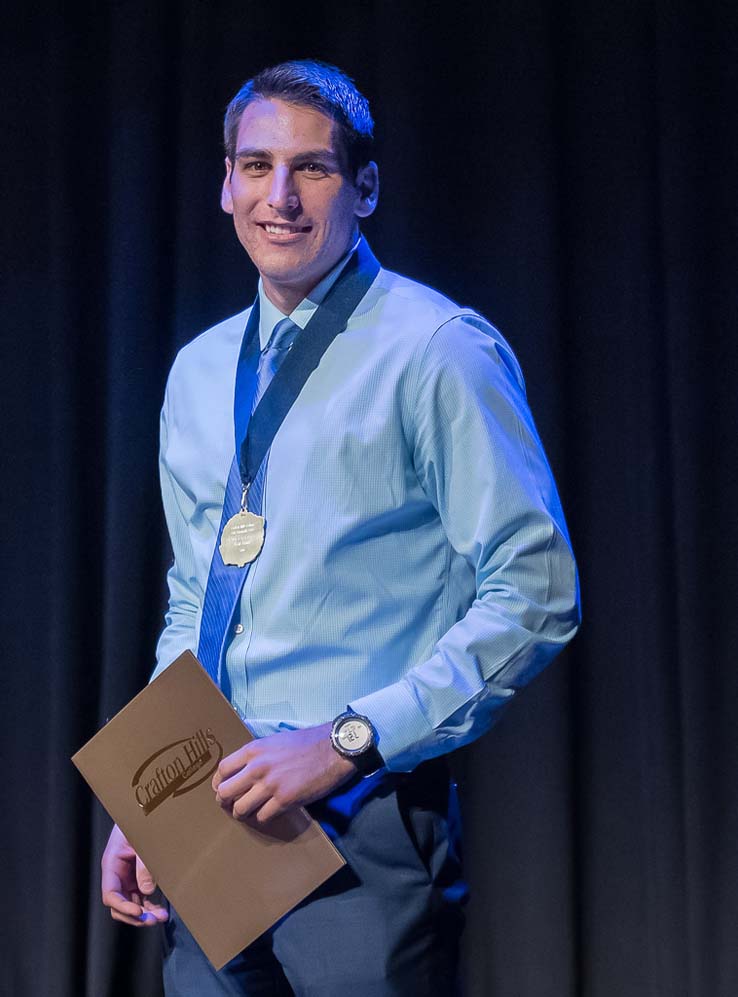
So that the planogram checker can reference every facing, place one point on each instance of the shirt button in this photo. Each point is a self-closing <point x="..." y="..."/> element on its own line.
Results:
<point x="238" y="629"/>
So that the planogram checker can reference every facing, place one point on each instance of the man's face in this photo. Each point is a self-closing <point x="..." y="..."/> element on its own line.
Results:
<point x="294" y="210"/>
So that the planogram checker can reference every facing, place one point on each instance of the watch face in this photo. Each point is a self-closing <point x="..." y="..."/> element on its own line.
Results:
<point x="354" y="736"/>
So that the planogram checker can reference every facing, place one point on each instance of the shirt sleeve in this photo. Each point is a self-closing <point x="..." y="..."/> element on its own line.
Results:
<point x="181" y="619"/>
<point x="481" y="463"/>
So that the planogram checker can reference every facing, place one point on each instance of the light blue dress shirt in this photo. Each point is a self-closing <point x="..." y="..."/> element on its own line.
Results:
<point x="416" y="565"/>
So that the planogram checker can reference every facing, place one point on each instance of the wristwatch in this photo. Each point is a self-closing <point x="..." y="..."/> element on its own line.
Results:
<point x="354" y="737"/>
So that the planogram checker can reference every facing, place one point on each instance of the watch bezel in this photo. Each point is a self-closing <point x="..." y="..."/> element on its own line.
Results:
<point x="339" y="722"/>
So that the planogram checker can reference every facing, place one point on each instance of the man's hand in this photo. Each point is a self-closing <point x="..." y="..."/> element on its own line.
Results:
<point x="272" y="774"/>
<point x="127" y="884"/>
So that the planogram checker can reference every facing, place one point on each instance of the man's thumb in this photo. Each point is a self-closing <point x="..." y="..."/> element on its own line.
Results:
<point x="144" y="878"/>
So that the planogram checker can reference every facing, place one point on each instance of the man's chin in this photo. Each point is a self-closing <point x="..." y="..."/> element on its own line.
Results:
<point x="284" y="264"/>
<point x="284" y="277"/>
<point x="292" y="274"/>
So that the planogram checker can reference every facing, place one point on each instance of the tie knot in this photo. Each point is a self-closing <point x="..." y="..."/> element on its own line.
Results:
<point x="282" y="335"/>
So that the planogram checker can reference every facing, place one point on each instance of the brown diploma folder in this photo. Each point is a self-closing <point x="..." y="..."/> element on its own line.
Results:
<point x="151" y="767"/>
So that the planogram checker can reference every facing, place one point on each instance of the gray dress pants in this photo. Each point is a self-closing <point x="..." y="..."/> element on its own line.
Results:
<point x="386" y="925"/>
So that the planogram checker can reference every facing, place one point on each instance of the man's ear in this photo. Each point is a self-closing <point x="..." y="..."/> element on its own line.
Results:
<point x="226" y="195"/>
<point x="367" y="182"/>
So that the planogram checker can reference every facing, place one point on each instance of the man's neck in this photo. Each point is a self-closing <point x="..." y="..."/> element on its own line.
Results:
<point x="287" y="297"/>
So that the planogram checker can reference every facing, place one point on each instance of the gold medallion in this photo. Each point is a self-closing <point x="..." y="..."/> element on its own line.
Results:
<point x="242" y="538"/>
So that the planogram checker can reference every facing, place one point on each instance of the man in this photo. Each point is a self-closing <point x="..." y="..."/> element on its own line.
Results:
<point x="414" y="569"/>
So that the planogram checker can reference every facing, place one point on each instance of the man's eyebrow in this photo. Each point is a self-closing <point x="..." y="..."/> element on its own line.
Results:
<point x="316" y="154"/>
<point x="253" y="154"/>
<point x="300" y="157"/>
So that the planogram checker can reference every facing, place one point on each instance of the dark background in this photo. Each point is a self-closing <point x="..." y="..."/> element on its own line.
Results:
<point x="570" y="170"/>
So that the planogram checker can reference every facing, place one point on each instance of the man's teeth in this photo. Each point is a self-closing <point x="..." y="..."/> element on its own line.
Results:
<point x="281" y="229"/>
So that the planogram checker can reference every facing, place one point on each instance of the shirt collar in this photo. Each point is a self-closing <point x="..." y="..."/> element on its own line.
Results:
<point x="270" y="315"/>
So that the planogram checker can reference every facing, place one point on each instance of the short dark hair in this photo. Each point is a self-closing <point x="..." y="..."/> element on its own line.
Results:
<point x="312" y="84"/>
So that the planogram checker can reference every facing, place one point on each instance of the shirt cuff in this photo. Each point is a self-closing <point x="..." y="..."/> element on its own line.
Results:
<point x="400" y="724"/>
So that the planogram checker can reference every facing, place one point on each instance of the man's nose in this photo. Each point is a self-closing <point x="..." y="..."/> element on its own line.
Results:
<point x="283" y="194"/>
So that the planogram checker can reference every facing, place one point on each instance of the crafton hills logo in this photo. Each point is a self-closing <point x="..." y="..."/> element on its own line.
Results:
<point x="175" y="769"/>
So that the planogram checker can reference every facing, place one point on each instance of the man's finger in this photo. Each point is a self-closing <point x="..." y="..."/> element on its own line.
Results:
<point x="239" y="784"/>
<point x="137" y="911"/>
<point x="135" y="922"/>
<point x="247" y="804"/>
<point x="144" y="878"/>
<point x="159" y="912"/>
<point x="119" y="904"/>
<point x="270" y="809"/>
<point x="146" y="920"/>
<point x="230" y="765"/>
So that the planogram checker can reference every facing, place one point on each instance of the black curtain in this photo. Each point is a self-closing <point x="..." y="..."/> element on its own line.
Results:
<point x="570" y="170"/>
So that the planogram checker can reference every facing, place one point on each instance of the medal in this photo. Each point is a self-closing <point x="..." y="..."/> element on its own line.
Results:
<point x="242" y="538"/>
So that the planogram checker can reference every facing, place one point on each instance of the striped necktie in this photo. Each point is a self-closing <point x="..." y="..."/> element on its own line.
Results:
<point x="225" y="581"/>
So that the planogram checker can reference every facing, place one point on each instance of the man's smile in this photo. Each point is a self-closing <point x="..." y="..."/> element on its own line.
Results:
<point x="282" y="229"/>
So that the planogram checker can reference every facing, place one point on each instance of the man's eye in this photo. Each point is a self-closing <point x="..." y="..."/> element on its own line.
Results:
<point x="314" y="168"/>
<point x="254" y="166"/>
